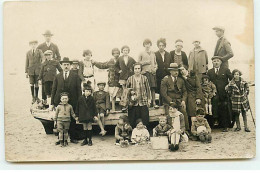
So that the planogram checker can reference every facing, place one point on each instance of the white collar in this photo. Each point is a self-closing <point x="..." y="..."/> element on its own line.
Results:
<point x="48" y="43"/>
<point x="68" y="73"/>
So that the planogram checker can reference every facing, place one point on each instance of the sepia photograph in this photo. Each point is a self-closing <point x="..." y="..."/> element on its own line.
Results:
<point x="120" y="80"/>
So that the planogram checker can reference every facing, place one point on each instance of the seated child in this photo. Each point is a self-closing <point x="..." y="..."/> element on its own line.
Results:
<point x="162" y="129"/>
<point x="34" y="58"/>
<point x="200" y="127"/>
<point x="140" y="134"/>
<point x="102" y="100"/>
<point x="177" y="133"/>
<point x="209" y="90"/>
<point x="123" y="130"/>
<point x="86" y="113"/>
<point x="238" y="91"/>
<point x="48" y="72"/>
<point x="86" y="69"/>
<point x="62" y="118"/>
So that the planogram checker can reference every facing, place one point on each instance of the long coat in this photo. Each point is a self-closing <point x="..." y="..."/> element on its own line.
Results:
<point x="239" y="98"/>
<point x="113" y="75"/>
<point x="53" y="47"/>
<point x="224" y="50"/>
<point x="184" y="58"/>
<point x="33" y="62"/>
<point x="74" y="89"/>
<point x="49" y="70"/>
<point x="171" y="92"/>
<point x="127" y="70"/>
<point x="86" y="109"/>
<point x="198" y="61"/>
<point x="102" y="100"/>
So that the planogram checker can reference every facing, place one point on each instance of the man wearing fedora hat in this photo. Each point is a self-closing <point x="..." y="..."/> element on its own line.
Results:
<point x="220" y="77"/>
<point x="69" y="82"/>
<point x="223" y="46"/>
<point x="173" y="89"/>
<point x="34" y="58"/>
<point x="48" y="45"/>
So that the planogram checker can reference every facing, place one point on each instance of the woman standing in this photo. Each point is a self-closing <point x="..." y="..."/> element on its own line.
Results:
<point x="149" y="66"/>
<point x="178" y="56"/>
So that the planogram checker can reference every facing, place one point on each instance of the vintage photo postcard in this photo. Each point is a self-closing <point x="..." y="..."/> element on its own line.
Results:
<point x="138" y="80"/>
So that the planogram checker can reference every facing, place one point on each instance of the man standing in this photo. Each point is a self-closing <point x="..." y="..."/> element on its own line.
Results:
<point x="223" y="47"/>
<point x="163" y="59"/>
<point x="220" y="76"/>
<point x="173" y="89"/>
<point x="69" y="82"/>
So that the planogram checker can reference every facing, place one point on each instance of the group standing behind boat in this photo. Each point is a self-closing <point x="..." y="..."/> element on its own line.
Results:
<point x="187" y="89"/>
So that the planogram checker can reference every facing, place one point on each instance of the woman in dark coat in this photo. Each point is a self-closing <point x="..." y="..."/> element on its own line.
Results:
<point x="178" y="56"/>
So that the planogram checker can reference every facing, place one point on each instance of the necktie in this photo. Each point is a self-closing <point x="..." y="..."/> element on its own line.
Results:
<point x="217" y="71"/>
<point x="33" y="52"/>
<point x="66" y="75"/>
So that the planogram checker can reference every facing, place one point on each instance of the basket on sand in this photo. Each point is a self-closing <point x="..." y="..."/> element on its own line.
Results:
<point x="160" y="143"/>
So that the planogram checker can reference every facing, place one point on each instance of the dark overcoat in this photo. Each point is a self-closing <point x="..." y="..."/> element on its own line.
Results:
<point x="127" y="70"/>
<point x="53" y="47"/>
<point x="86" y="109"/>
<point x="33" y="62"/>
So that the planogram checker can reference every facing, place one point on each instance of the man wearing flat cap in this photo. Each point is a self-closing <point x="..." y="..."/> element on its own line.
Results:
<point x="220" y="76"/>
<point x="223" y="47"/>
<point x="34" y="58"/>
<point x="67" y="81"/>
<point x="173" y="89"/>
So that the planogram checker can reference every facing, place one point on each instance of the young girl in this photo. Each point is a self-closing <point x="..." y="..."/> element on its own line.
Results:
<point x="62" y="118"/>
<point x="86" y="113"/>
<point x="238" y="91"/>
<point x="209" y="90"/>
<point x="123" y="130"/>
<point x="177" y="134"/>
<point x="149" y="66"/>
<point x="140" y="134"/>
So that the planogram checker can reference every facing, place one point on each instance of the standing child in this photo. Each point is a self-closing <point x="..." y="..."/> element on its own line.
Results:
<point x="177" y="133"/>
<point x="149" y="66"/>
<point x="162" y="129"/>
<point x="34" y="58"/>
<point x="102" y="100"/>
<point x="209" y="90"/>
<point x="47" y="74"/>
<point x="140" y="134"/>
<point x="86" y="69"/>
<point x="86" y="112"/>
<point x="200" y="127"/>
<point x="238" y="91"/>
<point x="75" y="66"/>
<point x="123" y="130"/>
<point x="62" y="118"/>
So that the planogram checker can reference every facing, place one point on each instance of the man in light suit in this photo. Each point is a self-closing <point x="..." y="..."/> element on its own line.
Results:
<point x="223" y="47"/>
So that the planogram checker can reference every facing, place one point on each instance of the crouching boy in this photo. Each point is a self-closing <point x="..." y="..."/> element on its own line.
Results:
<point x="123" y="130"/>
<point x="200" y="127"/>
<point x="62" y="118"/>
<point x="162" y="129"/>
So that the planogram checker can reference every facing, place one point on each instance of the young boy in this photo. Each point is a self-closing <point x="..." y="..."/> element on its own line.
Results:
<point x="86" y="113"/>
<point x="177" y="133"/>
<point x="62" y="118"/>
<point x="140" y="134"/>
<point x="34" y="58"/>
<point x="102" y="100"/>
<point x="86" y="69"/>
<point x="48" y="72"/>
<point x="200" y="127"/>
<point x="123" y="130"/>
<point x="75" y="66"/>
<point x="209" y="90"/>
<point x="162" y="129"/>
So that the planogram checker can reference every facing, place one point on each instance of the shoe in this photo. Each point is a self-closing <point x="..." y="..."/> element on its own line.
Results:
<point x="216" y="123"/>
<point x="172" y="147"/>
<point x="124" y="110"/>
<point x="237" y="129"/>
<point x="61" y="144"/>
<point x="176" y="147"/>
<point x="247" y="130"/>
<point x="117" y="143"/>
<point x="85" y="142"/>
<point x="74" y="141"/>
<point x="156" y="107"/>
<point x="225" y="130"/>
<point x="66" y="143"/>
<point x="57" y="143"/>
<point x="90" y="143"/>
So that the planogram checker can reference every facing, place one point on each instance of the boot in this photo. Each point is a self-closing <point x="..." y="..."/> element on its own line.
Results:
<point x="206" y="109"/>
<point x="210" y="109"/>
<point x="176" y="147"/>
<point x="172" y="147"/>
<point x="66" y="143"/>
<point x="90" y="138"/>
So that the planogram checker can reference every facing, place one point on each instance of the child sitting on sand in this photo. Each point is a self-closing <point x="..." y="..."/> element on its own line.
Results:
<point x="123" y="130"/>
<point x="140" y="134"/>
<point x="177" y="133"/>
<point x="200" y="127"/>
<point x="62" y="118"/>
<point x="162" y="129"/>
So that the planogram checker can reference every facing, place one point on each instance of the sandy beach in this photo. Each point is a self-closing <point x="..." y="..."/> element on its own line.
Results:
<point x="25" y="138"/>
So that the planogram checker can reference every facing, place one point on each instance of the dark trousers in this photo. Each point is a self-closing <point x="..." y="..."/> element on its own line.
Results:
<point x="223" y="114"/>
<point x="44" y="97"/>
<point x="136" y="112"/>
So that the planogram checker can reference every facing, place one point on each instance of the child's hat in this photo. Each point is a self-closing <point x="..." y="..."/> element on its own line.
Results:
<point x="48" y="33"/>
<point x="87" y="86"/>
<point x="64" y="94"/>
<point x="124" y="117"/>
<point x="65" y="60"/>
<point x="75" y="61"/>
<point x="174" y="105"/>
<point x="138" y="121"/>
<point x="216" y="57"/>
<point x="101" y="82"/>
<point x="33" y="41"/>
<point x="200" y="111"/>
<point x="204" y="76"/>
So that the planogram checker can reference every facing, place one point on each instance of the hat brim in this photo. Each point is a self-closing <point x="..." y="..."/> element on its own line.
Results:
<point x="216" y="29"/>
<point x="101" y="83"/>
<point x="216" y="58"/>
<point x="48" y="34"/>
<point x="65" y="62"/>
<point x="173" y="69"/>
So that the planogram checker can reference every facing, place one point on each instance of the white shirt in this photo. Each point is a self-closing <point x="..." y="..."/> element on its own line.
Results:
<point x="173" y="78"/>
<point x="68" y="73"/>
<point x="48" y="44"/>
<point x="162" y="54"/>
<point x="126" y="59"/>
<point x="216" y="69"/>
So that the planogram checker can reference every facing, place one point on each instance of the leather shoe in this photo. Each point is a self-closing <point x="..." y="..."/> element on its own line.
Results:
<point x="74" y="141"/>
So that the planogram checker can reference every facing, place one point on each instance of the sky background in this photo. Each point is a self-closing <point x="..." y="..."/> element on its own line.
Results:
<point x="102" y="25"/>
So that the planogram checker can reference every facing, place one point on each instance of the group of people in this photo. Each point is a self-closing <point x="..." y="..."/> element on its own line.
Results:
<point x="187" y="89"/>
